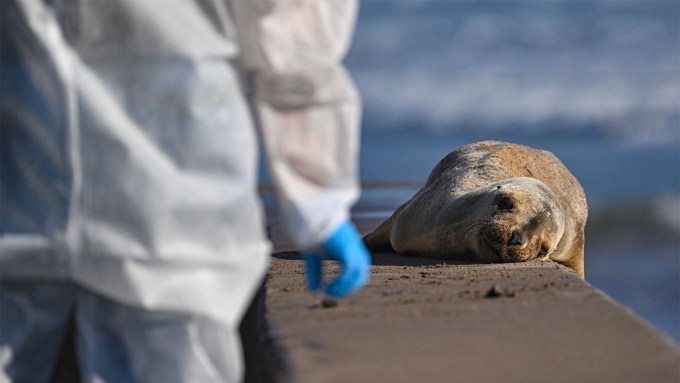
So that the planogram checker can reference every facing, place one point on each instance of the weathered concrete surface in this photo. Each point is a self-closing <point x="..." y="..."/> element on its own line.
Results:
<point x="421" y="320"/>
<point x="426" y="320"/>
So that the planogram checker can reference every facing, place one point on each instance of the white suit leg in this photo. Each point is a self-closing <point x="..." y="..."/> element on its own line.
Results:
<point x="119" y="343"/>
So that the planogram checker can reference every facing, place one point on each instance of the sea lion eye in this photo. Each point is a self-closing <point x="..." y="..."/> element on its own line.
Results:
<point x="504" y="203"/>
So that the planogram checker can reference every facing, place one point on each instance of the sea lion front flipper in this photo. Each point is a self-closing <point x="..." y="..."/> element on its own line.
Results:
<point x="379" y="240"/>
<point x="575" y="260"/>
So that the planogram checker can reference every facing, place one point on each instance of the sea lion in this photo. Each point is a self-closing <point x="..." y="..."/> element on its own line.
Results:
<point x="489" y="202"/>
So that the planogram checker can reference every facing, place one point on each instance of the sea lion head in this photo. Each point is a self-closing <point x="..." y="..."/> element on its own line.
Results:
<point x="521" y="220"/>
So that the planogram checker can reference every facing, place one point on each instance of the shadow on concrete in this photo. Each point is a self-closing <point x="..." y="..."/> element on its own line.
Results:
<point x="265" y="360"/>
<point x="386" y="259"/>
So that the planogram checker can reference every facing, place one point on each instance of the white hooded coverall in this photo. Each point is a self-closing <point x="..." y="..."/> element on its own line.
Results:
<point x="129" y="171"/>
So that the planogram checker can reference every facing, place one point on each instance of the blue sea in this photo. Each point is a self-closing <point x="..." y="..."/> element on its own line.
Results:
<point x="597" y="82"/>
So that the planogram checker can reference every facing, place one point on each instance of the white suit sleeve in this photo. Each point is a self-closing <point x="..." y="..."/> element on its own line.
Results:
<point x="307" y="106"/>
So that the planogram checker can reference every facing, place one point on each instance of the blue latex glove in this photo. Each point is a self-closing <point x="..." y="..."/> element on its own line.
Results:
<point x="344" y="245"/>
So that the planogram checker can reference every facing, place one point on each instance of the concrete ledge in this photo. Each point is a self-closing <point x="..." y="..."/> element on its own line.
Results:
<point x="424" y="320"/>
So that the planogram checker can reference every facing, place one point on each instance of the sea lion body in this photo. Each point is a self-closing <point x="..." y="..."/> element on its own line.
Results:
<point x="492" y="201"/>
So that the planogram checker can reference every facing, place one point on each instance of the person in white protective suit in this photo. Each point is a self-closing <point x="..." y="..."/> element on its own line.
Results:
<point x="129" y="171"/>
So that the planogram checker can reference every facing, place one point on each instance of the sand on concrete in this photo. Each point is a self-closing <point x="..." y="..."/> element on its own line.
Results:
<point x="424" y="320"/>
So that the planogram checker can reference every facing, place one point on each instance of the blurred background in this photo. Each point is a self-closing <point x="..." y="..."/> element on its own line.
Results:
<point x="597" y="82"/>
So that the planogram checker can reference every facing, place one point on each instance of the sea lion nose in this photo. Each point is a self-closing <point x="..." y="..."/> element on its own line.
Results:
<point x="517" y="238"/>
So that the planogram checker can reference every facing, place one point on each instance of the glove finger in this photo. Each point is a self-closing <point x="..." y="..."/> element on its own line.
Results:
<point x="313" y="266"/>
<point x="353" y="276"/>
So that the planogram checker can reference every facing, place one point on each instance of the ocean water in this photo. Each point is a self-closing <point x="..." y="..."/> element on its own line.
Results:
<point x="566" y="67"/>
<point x="597" y="82"/>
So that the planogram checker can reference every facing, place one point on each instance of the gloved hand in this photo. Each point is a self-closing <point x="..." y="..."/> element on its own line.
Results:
<point x="344" y="245"/>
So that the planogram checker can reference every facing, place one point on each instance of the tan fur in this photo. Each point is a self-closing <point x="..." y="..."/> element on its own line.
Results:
<point x="460" y="211"/>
